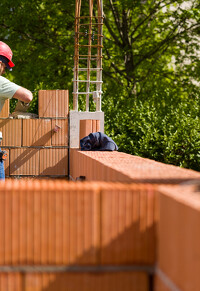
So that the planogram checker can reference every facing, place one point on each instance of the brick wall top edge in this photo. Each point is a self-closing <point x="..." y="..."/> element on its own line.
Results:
<point x="138" y="168"/>
<point x="60" y="185"/>
<point x="184" y="193"/>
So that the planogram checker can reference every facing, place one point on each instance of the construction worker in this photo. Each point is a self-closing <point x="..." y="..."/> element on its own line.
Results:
<point x="9" y="89"/>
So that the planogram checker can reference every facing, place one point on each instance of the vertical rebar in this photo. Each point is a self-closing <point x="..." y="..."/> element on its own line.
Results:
<point x="90" y="55"/>
<point x="76" y="54"/>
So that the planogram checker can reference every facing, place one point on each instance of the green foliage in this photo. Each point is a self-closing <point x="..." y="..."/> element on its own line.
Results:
<point x="164" y="128"/>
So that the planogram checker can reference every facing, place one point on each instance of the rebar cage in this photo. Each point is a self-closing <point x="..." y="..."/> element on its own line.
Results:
<point x="88" y="54"/>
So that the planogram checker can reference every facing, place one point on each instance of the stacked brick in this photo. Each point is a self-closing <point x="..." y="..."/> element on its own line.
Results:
<point x="121" y="167"/>
<point x="59" y="235"/>
<point x="39" y="146"/>
<point x="179" y="238"/>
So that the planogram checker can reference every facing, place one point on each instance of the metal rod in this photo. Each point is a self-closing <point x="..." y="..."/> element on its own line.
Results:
<point x="85" y="93"/>
<point x="85" y="81"/>
<point x="91" y="56"/>
<point x="88" y="45"/>
<point x="84" y="24"/>
<point x="82" y="17"/>
<point x="94" y="36"/>
<point x="91" y="69"/>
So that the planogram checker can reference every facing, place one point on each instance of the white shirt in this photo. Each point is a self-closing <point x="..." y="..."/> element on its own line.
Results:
<point x="7" y="90"/>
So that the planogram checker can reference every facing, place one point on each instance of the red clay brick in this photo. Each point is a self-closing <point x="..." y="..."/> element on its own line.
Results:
<point x="95" y="125"/>
<point x="88" y="126"/>
<point x="11" y="131"/>
<point x="53" y="103"/>
<point x="104" y="225"/>
<point x="125" y="239"/>
<point x="5" y="110"/>
<point x="85" y="128"/>
<point x="179" y="236"/>
<point x="36" y="132"/>
<point x="121" y="167"/>
<point x="38" y="281"/>
<point x="24" y="161"/>
<point x="54" y="162"/>
<point x="59" y="137"/>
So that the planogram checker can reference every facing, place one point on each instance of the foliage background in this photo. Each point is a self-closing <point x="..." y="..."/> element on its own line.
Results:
<point x="151" y="68"/>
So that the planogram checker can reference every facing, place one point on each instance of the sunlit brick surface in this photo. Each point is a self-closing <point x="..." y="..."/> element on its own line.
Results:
<point x="118" y="166"/>
<point x="53" y="162"/>
<point x="53" y="103"/>
<point x="119" y="281"/>
<point x="24" y="161"/>
<point x="5" y="110"/>
<point x="179" y="236"/>
<point x="38" y="146"/>
<point x="59" y="132"/>
<point x="36" y="132"/>
<point x="58" y="222"/>
<point x="128" y="224"/>
<point x="11" y="131"/>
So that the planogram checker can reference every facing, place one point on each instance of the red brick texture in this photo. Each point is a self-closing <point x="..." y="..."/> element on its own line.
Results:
<point x="88" y="126"/>
<point x="74" y="281"/>
<point x="5" y="110"/>
<point x="53" y="103"/>
<point x="66" y="223"/>
<point x="38" y="147"/>
<point x="118" y="166"/>
<point x="179" y="236"/>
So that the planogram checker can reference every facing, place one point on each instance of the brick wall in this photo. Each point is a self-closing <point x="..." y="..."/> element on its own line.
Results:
<point x="112" y="234"/>
<point x="39" y="146"/>
<point x="121" y="167"/>
<point x="179" y="238"/>
<point x="58" y="234"/>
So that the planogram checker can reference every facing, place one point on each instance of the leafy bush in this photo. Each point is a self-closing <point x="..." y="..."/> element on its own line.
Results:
<point x="164" y="128"/>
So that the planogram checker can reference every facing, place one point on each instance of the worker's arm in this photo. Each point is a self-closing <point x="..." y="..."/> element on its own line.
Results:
<point x="23" y="94"/>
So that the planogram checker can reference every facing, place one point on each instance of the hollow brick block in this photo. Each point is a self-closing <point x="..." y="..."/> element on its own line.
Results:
<point x="128" y="225"/>
<point x="11" y="131"/>
<point x="36" y="132"/>
<point x="88" y="126"/>
<point x="59" y="132"/>
<point x="24" y="161"/>
<point x="53" y="103"/>
<point x="179" y="236"/>
<point x="48" y="223"/>
<point x="5" y="110"/>
<point x="54" y="162"/>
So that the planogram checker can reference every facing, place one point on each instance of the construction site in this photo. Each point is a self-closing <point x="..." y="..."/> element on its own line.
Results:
<point x="90" y="220"/>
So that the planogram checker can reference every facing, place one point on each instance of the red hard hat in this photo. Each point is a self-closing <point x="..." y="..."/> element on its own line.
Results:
<point x="6" y="52"/>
